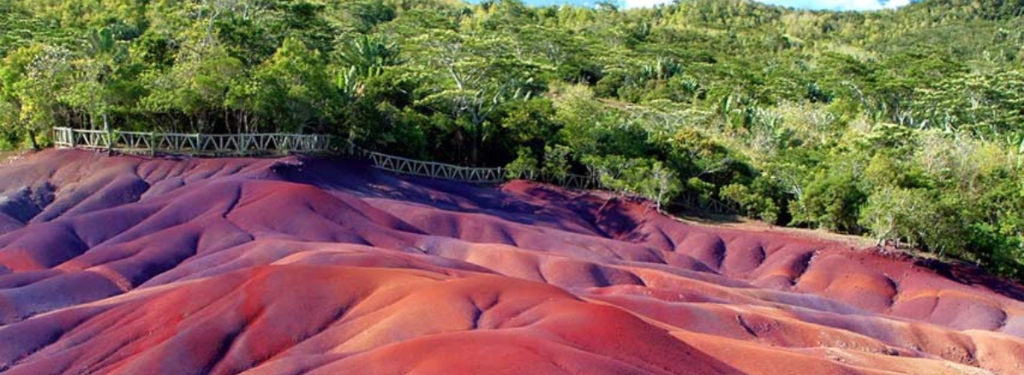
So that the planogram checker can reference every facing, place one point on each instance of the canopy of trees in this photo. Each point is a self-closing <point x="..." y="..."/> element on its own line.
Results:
<point x="906" y="125"/>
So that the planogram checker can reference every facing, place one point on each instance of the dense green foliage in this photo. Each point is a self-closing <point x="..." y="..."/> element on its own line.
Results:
<point x="906" y="125"/>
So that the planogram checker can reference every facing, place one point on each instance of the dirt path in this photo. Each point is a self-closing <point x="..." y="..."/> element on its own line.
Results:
<point x="746" y="224"/>
<point x="8" y="157"/>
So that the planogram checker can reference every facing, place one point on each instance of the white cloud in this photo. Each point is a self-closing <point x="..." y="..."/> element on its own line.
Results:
<point x="807" y="4"/>
<point x="841" y="4"/>
<point x="897" y="3"/>
<point x="850" y="4"/>
<point x="645" y="3"/>
<point x="860" y="4"/>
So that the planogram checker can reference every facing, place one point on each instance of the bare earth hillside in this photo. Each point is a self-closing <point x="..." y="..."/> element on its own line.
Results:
<point x="129" y="265"/>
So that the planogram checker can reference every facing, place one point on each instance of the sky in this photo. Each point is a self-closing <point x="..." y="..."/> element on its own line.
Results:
<point x="804" y="4"/>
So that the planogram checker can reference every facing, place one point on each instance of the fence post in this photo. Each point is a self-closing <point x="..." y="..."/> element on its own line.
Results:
<point x="110" y="136"/>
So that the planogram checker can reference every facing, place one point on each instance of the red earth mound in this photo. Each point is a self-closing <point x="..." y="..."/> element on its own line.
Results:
<point x="129" y="265"/>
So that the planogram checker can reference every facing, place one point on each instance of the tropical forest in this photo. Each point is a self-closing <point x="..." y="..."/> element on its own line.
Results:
<point x="905" y="126"/>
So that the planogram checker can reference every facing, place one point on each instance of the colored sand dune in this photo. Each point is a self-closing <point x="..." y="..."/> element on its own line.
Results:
<point x="125" y="265"/>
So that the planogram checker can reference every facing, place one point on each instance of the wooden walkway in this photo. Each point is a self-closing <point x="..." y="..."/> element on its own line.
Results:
<point x="261" y="144"/>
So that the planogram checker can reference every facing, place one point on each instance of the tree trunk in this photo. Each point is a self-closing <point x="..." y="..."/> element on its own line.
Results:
<point x="106" y="130"/>
<point x="474" y="153"/>
<point x="477" y="141"/>
<point x="32" y="137"/>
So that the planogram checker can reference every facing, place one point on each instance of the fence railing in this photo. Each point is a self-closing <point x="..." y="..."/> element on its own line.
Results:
<point x="271" y="143"/>
<point x="574" y="181"/>
<point x="414" y="167"/>
<point x="431" y="169"/>
<point x="279" y="143"/>
<point x="193" y="144"/>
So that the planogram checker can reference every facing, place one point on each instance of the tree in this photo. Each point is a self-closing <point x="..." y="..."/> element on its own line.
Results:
<point x="984" y="104"/>
<point x="661" y="186"/>
<point x="476" y="75"/>
<point x="295" y="91"/>
<point x="362" y="58"/>
<point x="895" y="214"/>
<point x="832" y="200"/>
<point x="94" y="89"/>
<point x="196" y="86"/>
<point x="33" y="79"/>
<point x="751" y="202"/>
<point x="529" y="125"/>
<point x="363" y="15"/>
<point x="645" y="178"/>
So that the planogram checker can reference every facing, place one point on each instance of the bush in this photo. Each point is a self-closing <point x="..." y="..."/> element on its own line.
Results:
<point x="995" y="250"/>
<point x="751" y="202"/>
<point x="831" y="201"/>
<point x="525" y="166"/>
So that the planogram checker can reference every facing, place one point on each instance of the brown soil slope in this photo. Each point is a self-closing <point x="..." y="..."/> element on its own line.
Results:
<point x="125" y="265"/>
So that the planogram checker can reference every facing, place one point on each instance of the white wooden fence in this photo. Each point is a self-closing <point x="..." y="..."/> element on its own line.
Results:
<point x="280" y="143"/>
<point x="192" y="144"/>
<point x="430" y="169"/>
<point x="277" y="143"/>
